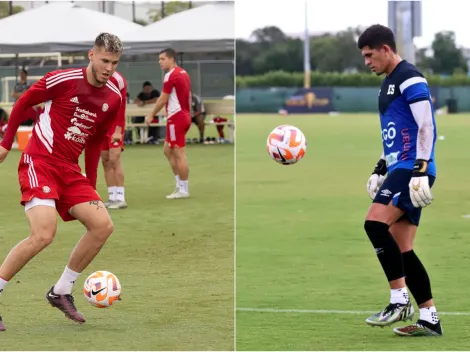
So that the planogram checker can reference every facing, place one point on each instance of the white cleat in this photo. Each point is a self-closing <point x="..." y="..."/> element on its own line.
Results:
<point x="119" y="204"/>
<point x="109" y="203"/>
<point x="179" y="194"/>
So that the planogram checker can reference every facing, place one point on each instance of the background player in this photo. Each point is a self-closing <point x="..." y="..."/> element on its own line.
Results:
<point x="111" y="159"/>
<point x="176" y="96"/>
<point x="198" y="115"/>
<point x="408" y="135"/>
<point x="81" y="106"/>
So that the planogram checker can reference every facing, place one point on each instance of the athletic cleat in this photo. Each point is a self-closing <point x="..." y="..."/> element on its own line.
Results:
<point x="119" y="204"/>
<point x="65" y="303"/>
<point x="178" y="195"/>
<point x="170" y="196"/>
<point x="420" y="328"/>
<point x="393" y="313"/>
<point x="109" y="203"/>
<point x="2" y="326"/>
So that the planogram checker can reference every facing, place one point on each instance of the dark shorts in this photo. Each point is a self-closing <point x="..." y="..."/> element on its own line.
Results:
<point x="193" y="119"/>
<point x="395" y="188"/>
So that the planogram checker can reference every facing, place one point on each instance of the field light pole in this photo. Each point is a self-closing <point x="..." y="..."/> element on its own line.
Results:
<point x="306" y="50"/>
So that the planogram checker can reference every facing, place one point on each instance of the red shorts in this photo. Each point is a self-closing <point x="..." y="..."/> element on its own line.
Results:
<point x="45" y="180"/>
<point x="108" y="144"/>
<point x="176" y="129"/>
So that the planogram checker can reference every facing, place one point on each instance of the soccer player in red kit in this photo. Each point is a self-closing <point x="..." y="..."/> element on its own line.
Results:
<point x="81" y="108"/>
<point x="176" y="96"/>
<point x="111" y="158"/>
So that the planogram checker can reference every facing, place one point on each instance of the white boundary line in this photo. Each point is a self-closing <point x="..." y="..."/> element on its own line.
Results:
<point x="328" y="311"/>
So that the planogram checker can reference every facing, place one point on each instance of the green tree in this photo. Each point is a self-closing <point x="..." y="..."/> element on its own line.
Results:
<point x="141" y="22"/>
<point x="447" y="56"/>
<point x="167" y="9"/>
<point x="270" y="34"/>
<point x="5" y="9"/>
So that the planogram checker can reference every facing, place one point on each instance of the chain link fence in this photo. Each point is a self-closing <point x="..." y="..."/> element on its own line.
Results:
<point x="210" y="79"/>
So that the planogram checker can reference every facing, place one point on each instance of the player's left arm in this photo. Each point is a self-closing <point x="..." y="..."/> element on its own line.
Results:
<point x="417" y="94"/>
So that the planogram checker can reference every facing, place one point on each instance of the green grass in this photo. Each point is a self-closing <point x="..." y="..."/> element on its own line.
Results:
<point x="301" y="244"/>
<point x="174" y="260"/>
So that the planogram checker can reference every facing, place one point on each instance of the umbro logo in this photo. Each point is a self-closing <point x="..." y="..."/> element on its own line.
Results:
<point x="385" y="193"/>
<point x="74" y="100"/>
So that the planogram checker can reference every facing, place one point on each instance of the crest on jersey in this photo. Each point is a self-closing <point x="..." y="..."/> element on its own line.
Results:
<point x="46" y="189"/>
<point x="105" y="107"/>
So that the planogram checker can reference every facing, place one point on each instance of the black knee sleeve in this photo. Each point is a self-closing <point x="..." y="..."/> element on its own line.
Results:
<point x="417" y="278"/>
<point x="386" y="249"/>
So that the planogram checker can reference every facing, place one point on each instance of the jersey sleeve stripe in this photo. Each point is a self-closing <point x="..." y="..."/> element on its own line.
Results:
<point x="62" y="74"/>
<point x="55" y="79"/>
<point x="411" y="81"/>
<point x="421" y="98"/>
<point x="119" y="80"/>
<point x="111" y="86"/>
<point x="62" y="80"/>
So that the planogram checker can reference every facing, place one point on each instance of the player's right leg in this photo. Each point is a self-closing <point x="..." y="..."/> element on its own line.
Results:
<point x="41" y="215"/>
<point x="116" y="167"/>
<point x="169" y="155"/>
<point x="417" y="280"/>
<point x="385" y="210"/>
<point x="109" y="177"/>
<point x="39" y="195"/>
<point x="175" y="149"/>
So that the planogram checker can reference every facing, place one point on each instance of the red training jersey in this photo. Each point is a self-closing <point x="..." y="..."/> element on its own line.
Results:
<point x="77" y="116"/>
<point x="178" y="85"/>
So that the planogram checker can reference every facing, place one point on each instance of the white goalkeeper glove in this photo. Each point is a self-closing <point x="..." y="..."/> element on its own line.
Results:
<point x="420" y="192"/>
<point x="377" y="178"/>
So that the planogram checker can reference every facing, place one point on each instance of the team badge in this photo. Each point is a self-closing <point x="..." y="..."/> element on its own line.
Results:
<point x="105" y="107"/>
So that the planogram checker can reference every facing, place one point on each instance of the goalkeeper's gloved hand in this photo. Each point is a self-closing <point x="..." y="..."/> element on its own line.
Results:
<point x="377" y="178"/>
<point x="420" y="192"/>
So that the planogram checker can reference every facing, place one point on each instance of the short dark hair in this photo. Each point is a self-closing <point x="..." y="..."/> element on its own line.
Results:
<point x="375" y="36"/>
<point x="146" y="84"/>
<point x="24" y="71"/>
<point x="110" y="42"/>
<point x="171" y="53"/>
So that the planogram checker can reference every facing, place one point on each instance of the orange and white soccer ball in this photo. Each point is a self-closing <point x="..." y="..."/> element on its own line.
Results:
<point x="286" y="144"/>
<point x="102" y="289"/>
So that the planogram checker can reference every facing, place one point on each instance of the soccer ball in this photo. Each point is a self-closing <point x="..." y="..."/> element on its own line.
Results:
<point x="101" y="289"/>
<point x="286" y="144"/>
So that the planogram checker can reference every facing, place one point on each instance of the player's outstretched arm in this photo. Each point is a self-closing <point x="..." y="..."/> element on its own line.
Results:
<point x="377" y="178"/>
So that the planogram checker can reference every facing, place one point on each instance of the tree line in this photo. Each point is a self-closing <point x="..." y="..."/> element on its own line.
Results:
<point x="270" y="49"/>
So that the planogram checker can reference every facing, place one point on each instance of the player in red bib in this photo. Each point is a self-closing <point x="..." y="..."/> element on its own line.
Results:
<point x="176" y="96"/>
<point x="81" y="108"/>
<point x="111" y="158"/>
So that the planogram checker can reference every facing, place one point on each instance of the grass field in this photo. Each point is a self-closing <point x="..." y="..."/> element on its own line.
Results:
<point x="174" y="260"/>
<point x="303" y="257"/>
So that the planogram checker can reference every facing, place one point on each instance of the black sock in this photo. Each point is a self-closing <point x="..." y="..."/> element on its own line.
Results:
<point x="417" y="278"/>
<point x="386" y="248"/>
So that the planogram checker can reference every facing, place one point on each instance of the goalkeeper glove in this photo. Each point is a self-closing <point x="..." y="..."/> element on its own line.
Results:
<point x="377" y="178"/>
<point x="420" y="192"/>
